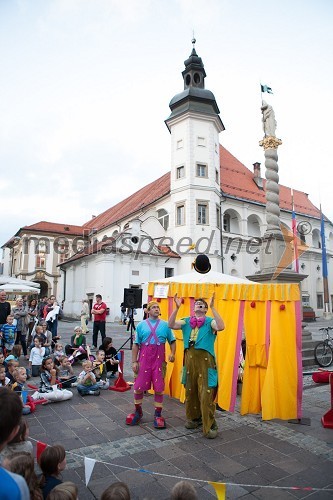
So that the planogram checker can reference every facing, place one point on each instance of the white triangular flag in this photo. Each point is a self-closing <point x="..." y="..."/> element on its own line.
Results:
<point x="89" y="464"/>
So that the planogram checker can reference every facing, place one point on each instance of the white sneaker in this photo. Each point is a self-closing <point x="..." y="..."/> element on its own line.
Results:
<point x="74" y="384"/>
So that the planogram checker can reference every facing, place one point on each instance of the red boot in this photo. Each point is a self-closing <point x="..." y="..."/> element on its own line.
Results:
<point x="134" y="418"/>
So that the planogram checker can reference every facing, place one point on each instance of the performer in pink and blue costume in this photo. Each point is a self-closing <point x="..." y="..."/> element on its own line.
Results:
<point x="148" y="362"/>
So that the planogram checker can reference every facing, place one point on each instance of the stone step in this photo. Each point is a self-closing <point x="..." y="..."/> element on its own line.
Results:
<point x="308" y="361"/>
<point x="308" y="349"/>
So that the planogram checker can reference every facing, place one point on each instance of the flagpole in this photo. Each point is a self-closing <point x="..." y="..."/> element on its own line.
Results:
<point x="324" y="265"/>
<point x="293" y="223"/>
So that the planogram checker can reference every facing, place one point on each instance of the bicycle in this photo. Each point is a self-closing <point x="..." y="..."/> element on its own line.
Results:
<point x="323" y="352"/>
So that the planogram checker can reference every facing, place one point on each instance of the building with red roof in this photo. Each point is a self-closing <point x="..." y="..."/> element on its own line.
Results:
<point x="209" y="202"/>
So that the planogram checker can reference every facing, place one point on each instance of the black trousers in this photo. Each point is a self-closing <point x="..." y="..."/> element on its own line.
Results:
<point x="99" y="326"/>
<point x="21" y="339"/>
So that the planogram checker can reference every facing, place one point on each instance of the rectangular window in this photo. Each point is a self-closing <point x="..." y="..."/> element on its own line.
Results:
<point x="40" y="261"/>
<point x="218" y="217"/>
<point x="201" y="141"/>
<point x="169" y="272"/>
<point x="180" y="172"/>
<point x="180" y="144"/>
<point x="216" y="176"/>
<point x="180" y="215"/>
<point x="201" y="170"/>
<point x="320" y="302"/>
<point x="202" y="212"/>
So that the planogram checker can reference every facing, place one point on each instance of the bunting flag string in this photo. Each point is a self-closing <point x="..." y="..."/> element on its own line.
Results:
<point x="40" y="447"/>
<point x="89" y="464"/>
<point x="220" y="490"/>
<point x="219" y="487"/>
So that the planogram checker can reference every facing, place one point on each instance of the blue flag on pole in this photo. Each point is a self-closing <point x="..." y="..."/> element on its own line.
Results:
<point x="266" y="88"/>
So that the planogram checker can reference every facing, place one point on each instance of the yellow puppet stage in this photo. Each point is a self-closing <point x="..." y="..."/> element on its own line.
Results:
<point x="269" y="317"/>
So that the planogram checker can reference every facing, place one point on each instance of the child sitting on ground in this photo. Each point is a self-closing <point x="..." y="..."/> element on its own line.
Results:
<point x="38" y="335"/>
<point x="20" y="376"/>
<point x="77" y="349"/>
<point x="2" y="358"/>
<point x="10" y="369"/>
<point x="86" y="384"/>
<point x="58" y="353"/>
<point x="4" y="381"/>
<point x="48" y="384"/>
<point x="22" y="463"/>
<point x="19" y="443"/>
<point x="15" y="354"/>
<point x="100" y="370"/>
<point x="111" y="356"/>
<point x="36" y="357"/>
<point x="8" y="331"/>
<point x="66" y="373"/>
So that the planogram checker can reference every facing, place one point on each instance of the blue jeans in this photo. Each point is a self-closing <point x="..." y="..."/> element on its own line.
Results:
<point x="85" y="389"/>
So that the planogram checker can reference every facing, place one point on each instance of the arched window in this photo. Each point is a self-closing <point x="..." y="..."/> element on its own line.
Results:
<point x="253" y="225"/>
<point x="231" y="221"/>
<point x="226" y="223"/>
<point x="316" y="238"/>
<point x="163" y="218"/>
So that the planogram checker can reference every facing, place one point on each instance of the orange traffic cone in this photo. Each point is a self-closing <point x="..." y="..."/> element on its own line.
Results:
<point x="120" y="385"/>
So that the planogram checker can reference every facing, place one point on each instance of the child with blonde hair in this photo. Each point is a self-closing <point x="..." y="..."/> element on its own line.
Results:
<point x="86" y="383"/>
<point x="58" y="352"/>
<point x="66" y="373"/>
<point x="100" y="370"/>
<point x="64" y="491"/>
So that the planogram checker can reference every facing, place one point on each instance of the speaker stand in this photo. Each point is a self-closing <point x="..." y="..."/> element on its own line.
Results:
<point x="130" y="327"/>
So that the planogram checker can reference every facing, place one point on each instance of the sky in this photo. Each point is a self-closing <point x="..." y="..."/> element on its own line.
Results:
<point x="85" y="87"/>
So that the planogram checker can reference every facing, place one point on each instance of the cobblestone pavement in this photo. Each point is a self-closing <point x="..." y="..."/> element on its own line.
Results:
<point x="247" y="451"/>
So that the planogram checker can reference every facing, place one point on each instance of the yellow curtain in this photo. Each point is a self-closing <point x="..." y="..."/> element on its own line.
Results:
<point x="255" y="360"/>
<point x="227" y="353"/>
<point x="279" y="394"/>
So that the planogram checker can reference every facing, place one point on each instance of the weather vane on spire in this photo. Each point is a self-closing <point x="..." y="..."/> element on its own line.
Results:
<point x="193" y="39"/>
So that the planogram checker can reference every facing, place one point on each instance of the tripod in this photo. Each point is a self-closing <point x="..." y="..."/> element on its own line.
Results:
<point x="130" y="325"/>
